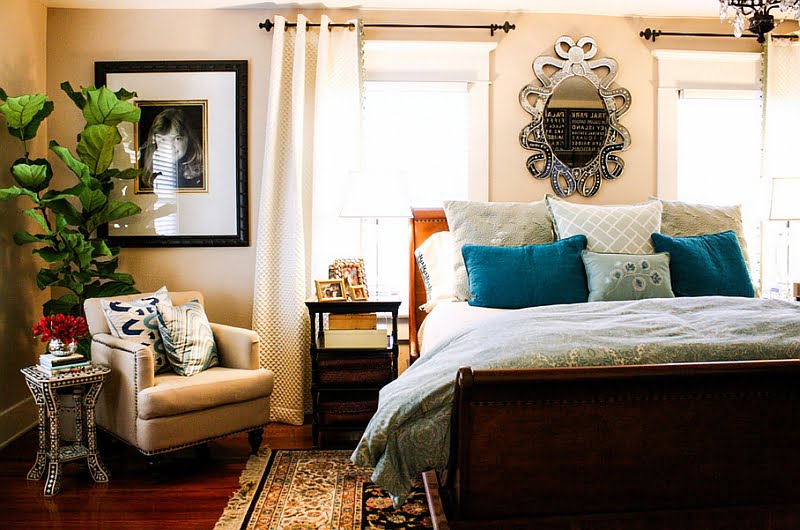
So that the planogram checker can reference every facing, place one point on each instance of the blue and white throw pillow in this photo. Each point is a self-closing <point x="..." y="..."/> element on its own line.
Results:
<point x="187" y="337"/>
<point x="137" y="320"/>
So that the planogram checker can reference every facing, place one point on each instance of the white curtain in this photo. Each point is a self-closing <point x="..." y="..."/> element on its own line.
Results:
<point x="781" y="111"/>
<point x="781" y="108"/>
<point x="312" y="141"/>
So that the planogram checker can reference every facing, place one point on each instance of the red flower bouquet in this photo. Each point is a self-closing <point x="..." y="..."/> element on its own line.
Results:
<point x="65" y="328"/>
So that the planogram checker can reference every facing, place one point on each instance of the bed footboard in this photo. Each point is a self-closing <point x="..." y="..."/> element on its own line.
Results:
<point x="705" y="445"/>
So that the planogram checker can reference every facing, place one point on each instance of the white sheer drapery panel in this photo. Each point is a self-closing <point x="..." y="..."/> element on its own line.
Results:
<point x="781" y="112"/>
<point x="306" y="72"/>
<point x="781" y="108"/>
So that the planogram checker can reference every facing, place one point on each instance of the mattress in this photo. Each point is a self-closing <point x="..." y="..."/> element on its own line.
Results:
<point x="449" y="316"/>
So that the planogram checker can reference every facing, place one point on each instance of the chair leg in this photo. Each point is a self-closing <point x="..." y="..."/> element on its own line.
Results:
<point x="255" y="437"/>
<point x="154" y="465"/>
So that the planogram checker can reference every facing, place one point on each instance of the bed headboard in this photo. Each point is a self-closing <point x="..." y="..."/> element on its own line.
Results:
<point x="423" y="224"/>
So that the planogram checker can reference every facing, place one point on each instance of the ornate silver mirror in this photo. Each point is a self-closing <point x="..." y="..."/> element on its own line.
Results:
<point x="574" y="131"/>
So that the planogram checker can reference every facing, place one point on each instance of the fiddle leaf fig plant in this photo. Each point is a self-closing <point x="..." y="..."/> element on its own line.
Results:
<point x="67" y="219"/>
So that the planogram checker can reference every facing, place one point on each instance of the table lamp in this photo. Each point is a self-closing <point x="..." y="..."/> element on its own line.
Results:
<point x="785" y="206"/>
<point x="372" y="199"/>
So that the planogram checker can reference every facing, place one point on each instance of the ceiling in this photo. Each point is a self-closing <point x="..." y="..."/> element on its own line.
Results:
<point x="653" y="8"/>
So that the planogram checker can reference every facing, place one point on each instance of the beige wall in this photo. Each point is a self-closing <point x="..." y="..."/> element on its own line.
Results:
<point x="22" y="71"/>
<point x="77" y="38"/>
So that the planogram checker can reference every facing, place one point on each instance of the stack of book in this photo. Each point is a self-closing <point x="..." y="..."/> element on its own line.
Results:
<point x="55" y="365"/>
<point x="358" y="330"/>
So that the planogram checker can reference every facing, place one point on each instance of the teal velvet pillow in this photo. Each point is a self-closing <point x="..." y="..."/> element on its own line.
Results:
<point x="526" y="276"/>
<point x="627" y="276"/>
<point x="709" y="265"/>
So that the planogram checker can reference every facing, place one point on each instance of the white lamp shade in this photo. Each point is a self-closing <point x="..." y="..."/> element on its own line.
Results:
<point x="785" y="199"/>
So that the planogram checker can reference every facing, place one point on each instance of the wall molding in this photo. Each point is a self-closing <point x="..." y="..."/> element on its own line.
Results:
<point x="16" y="420"/>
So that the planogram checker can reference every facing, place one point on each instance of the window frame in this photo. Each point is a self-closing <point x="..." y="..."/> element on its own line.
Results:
<point x="680" y="70"/>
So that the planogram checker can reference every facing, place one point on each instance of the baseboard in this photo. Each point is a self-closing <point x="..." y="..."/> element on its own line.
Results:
<point x="16" y="420"/>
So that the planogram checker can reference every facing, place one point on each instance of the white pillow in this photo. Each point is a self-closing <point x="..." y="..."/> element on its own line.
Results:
<point x="435" y="262"/>
<point x="617" y="229"/>
<point x="137" y="320"/>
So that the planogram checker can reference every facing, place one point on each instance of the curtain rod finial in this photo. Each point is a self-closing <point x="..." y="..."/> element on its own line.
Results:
<point x="266" y="25"/>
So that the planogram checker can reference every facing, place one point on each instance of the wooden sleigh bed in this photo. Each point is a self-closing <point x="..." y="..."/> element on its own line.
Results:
<point x="678" y="447"/>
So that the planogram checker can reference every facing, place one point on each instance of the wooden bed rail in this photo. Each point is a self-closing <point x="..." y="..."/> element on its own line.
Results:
<point x="696" y="445"/>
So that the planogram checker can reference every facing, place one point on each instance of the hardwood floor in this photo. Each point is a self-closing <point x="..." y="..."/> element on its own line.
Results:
<point x="191" y="493"/>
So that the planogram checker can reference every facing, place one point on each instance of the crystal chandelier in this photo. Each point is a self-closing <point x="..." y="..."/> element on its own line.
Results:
<point x="761" y="20"/>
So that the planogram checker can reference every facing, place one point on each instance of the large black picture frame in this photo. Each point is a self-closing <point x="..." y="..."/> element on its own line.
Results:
<point x="234" y="209"/>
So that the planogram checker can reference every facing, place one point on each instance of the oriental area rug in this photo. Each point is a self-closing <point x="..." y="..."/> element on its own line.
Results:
<point x="320" y="489"/>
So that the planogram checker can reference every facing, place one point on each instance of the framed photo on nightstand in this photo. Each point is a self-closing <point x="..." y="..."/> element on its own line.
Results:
<point x="333" y="290"/>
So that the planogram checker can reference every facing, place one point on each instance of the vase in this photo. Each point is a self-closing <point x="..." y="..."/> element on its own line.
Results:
<point x="56" y="347"/>
<point x="72" y="346"/>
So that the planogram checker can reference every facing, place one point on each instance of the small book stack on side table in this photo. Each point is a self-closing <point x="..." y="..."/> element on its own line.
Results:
<point x="46" y="383"/>
<point x="350" y="362"/>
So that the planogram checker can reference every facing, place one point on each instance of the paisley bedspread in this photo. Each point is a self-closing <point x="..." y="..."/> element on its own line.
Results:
<point x="410" y="432"/>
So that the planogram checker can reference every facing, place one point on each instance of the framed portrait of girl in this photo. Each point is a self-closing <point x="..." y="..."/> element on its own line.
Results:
<point x="170" y="141"/>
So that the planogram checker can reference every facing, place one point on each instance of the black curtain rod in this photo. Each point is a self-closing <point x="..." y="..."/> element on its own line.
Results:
<point x="505" y="26"/>
<point x="652" y="34"/>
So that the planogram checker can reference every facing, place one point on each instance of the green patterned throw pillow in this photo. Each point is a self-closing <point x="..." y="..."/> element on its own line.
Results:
<point x="614" y="277"/>
<point x="187" y="337"/>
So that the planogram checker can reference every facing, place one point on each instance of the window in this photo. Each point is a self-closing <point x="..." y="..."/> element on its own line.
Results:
<point x="719" y="156"/>
<point x="710" y="135"/>
<point x="425" y="141"/>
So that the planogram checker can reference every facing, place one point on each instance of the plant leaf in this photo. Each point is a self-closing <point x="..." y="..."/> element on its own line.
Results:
<point x="92" y="200"/>
<point x="76" y="97"/>
<point x="113" y="210"/>
<point x="80" y="169"/>
<point x="15" y="191"/>
<point x="65" y="208"/>
<point x="68" y="304"/>
<point x="51" y="255"/>
<point x="103" y="107"/>
<point x="24" y="114"/>
<point x="100" y="248"/>
<point x="124" y="95"/>
<point x="37" y="216"/>
<point x="112" y="288"/>
<point x="81" y="248"/>
<point x="33" y="175"/>
<point x="128" y="174"/>
<point x="22" y="238"/>
<point x="96" y="147"/>
<point x="46" y="278"/>
<point x="106" y="267"/>
<point x="3" y="95"/>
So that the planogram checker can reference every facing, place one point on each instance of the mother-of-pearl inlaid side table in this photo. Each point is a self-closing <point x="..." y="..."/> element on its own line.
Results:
<point x="85" y="385"/>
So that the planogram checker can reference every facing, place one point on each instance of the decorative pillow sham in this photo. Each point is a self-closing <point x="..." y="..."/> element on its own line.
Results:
<point x="526" y="276"/>
<point x="187" y="337"/>
<point x="681" y="219"/>
<point x="435" y="262"/>
<point x="503" y="224"/>
<point x="137" y="320"/>
<point x="707" y="265"/>
<point x="615" y="277"/>
<point x="621" y="229"/>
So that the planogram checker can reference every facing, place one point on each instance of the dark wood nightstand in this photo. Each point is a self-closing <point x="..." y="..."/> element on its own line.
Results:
<point x="345" y="381"/>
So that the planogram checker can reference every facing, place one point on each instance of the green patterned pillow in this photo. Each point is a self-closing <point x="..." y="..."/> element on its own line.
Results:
<point x="623" y="228"/>
<point x="615" y="277"/>
<point x="187" y="337"/>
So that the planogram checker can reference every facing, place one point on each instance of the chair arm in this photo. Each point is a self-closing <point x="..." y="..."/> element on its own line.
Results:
<point x="237" y="347"/>
<point x="133" y="359"/>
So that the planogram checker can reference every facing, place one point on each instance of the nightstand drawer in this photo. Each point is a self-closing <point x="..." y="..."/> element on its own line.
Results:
<point x="351" y="408"/>
<point x="371" y="371"/>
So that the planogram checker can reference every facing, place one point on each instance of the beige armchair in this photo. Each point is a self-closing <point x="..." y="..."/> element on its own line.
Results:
<point x="165" y="412"/>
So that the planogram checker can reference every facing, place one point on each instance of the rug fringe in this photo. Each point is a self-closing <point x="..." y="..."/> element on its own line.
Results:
<point x="236" y="510"/>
